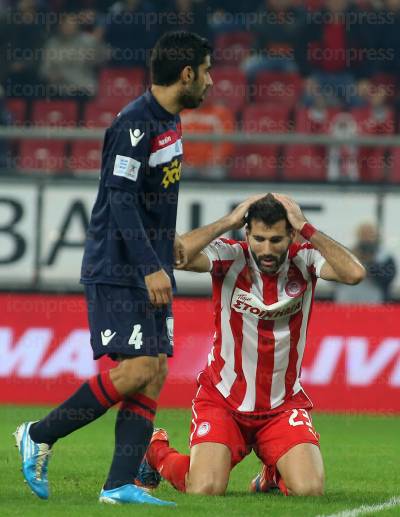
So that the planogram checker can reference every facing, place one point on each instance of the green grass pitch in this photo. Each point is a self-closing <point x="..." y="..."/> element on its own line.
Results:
<point x="361" y="453"/>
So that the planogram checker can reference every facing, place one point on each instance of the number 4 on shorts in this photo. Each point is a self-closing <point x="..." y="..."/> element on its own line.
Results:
<point x="136" y="338"/>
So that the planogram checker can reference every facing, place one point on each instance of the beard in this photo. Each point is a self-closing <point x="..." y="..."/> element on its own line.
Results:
<point x="276" y="262"/>
<point x="192" y="99"/>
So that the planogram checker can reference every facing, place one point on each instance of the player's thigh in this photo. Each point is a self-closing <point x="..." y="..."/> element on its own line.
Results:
<point x="210" y="466"/>
<point x="282" y="440"/>
<point x="302" y="470"/>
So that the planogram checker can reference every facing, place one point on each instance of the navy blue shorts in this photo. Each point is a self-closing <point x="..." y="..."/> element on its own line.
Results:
<point x="123" y="322"/>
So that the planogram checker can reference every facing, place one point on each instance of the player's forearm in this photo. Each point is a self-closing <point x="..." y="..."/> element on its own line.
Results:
<point x="347" y="267"/>
<point x="198" y="239"/>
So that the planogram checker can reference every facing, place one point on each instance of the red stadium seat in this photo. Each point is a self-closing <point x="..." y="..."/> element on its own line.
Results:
<point x="99" y="115"/>
<point x="42" y="155"/>
<point x="277" y="88"/>
<point x="120" y="85"/>
<point x="17" y="108"/>
<point x="85" y="156"/>
<point x="394" y="165"/>
<point x="311" y="120"/>
<point x="230" y="88"/>
<point x="55" y="113"/>
<point x="254" y="162"/>
<point x="373" y="122"/>
<point x="305" y="163"/>
<point x="232" y="48"/>
<point x="266" y="118"/>
<point x="207" y="119"/>
<point x="259" y="161"/>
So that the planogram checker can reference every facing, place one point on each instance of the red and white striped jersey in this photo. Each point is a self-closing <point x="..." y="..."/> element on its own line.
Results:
<point x="260" y="325"/>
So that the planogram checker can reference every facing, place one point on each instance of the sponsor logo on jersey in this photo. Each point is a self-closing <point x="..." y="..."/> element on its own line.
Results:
<point x="172" y="173"/>
<point x="248" y="303"/>
<point x="164" y="141"/>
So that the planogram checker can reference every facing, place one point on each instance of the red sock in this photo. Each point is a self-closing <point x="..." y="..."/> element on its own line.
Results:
<point x="172" y="465"/>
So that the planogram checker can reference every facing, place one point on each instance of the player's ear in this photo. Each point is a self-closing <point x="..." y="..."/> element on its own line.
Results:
<point x="187" y="74"/>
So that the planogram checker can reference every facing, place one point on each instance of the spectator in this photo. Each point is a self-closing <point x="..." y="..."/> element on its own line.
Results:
<point x="336" y="63"/>
<point x="279" y="29"/>
<point x="132" y="28"/>
<point x="381" y="270"/>
<point x="21" y="39"/>
<point x="71" y="60"/>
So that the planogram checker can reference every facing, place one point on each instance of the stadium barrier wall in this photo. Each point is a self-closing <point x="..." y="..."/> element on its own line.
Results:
<point x="43" y="224"/>
<point x="351" y="363"/>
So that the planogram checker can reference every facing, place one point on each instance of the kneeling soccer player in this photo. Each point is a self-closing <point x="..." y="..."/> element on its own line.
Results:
<point x="249" y="395"/>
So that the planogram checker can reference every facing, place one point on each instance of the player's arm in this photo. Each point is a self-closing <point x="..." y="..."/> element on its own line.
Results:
<point x="340" y="264"/>
<point x="195" y="241"/>
<point x="124" y="182"/>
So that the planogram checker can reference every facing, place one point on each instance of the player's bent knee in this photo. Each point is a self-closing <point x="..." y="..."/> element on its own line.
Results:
<point x="205" y="487"/>
<point x="136" y="373"/>
<point x="311" y="487"/>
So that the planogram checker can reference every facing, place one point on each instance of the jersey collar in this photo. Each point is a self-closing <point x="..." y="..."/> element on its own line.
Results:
<point x="159" y="112"/>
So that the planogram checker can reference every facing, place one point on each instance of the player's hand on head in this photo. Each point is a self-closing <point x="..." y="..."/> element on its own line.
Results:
<point x="237" y="216"/>
<point x="159" y="288"/>
<point x="295" y="215"/>
<point x="180" y="254"/>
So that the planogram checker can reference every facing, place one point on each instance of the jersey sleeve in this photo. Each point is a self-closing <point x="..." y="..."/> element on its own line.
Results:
<point x="313" y="259"/>
<point x="221" y="250"/>
<point x="126" y="154"/>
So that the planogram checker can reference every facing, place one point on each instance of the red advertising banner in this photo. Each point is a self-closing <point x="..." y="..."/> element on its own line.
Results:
<point x="351" y="363"/>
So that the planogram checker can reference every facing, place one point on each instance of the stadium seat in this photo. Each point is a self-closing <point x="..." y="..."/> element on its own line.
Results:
<point x="42" y="155"/>
<point x="118" y="86"/>
<point x="259" y="161"/>
<point x="311" y="120"/>
<point x="277" y="88"/>
<point x="254" y="162"/>
<point x="213" y="119"/>
<point x="394" y="165"/>
<point x="304" y="163"/>
<point x="230" y="88"/>
<point x="231" y="48"/>
<point x="55" y="113"/>
<point x="85" y="156"/>
<point x="373" y="122"/>
<point x="266" y="118"/>
<point x="97" y="114"/>
<point x="17" y="108"/>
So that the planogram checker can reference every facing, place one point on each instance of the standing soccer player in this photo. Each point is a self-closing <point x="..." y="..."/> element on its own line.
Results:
<point x="250" y="395"/>
<point x="127" y="271"/>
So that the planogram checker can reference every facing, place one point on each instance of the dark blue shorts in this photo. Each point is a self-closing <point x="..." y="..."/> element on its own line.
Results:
<point x="123" y="322"/>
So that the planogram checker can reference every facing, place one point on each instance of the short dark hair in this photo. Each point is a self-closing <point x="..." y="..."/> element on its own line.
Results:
<point x="267" y="210"/>
<point x="175" y="50"/>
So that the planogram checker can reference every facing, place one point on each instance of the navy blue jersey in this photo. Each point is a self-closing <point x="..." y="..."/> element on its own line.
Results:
<point x="132" y="226"/>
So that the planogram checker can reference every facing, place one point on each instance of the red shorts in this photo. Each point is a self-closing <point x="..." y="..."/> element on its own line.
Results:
<point x="270" y="436"/>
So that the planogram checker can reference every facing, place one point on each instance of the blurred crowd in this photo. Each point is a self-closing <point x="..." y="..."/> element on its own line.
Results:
<point x="322" y="65"/>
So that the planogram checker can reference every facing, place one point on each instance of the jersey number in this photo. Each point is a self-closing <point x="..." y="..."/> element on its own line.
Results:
<point x="136" y="338"/>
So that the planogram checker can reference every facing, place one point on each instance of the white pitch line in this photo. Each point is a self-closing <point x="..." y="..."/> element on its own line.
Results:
<point x="364" y="510"/>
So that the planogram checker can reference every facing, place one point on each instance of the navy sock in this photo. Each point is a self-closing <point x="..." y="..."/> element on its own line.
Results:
<point x="133" y="431"/>
<point x="88" y="403"/>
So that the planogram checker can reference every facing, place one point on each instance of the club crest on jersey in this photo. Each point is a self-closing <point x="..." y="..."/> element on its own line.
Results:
<point x="248" y="303"/>
<point x="296" y="284"/>
<point x="203" y="429"/>
<point x="172" y="173"/>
